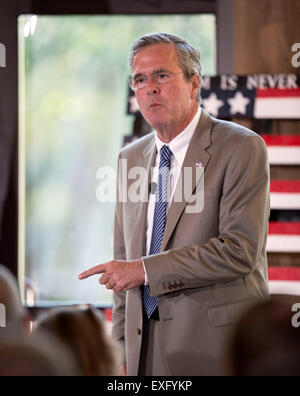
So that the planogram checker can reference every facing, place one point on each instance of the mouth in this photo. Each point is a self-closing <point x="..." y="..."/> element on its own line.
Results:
<point x="155" y="106"/>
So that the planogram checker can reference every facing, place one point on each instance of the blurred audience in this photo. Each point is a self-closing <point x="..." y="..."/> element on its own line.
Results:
<point x="16" y="314"/>
<point x="35" y="357"/>
<point x="74" y="341"/>
<point x="83" y="331"/>
<point x="62" y="337"/>
<point x="265" y="342"/>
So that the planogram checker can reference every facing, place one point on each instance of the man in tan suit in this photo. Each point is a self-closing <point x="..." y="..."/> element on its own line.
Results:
<point x="181" y="277"/>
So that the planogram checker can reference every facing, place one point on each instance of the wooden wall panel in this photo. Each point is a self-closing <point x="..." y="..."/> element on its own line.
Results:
<point x="264" y="32"/>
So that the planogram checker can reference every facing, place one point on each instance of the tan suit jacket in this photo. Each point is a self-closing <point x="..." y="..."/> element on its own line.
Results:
<point x="213" y="264"/>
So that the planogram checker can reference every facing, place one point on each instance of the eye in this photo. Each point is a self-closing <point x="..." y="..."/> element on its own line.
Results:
<point x="163" y="77"/>
<point x="140" y="80"/>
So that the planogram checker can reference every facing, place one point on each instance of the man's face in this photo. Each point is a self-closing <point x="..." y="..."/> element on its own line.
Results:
<point x="168" y="105"/>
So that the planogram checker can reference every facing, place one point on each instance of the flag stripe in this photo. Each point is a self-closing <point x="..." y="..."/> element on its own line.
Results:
<point x="282" y="140"/>
<point x="285" y="194"/>
<point x="285" y="201"/>
<point x="277" y="108"/>
<point x="278" y="93"/>
<point x="286" y="155"/>
<point x="284" y="228"/>
<point x="283" y="237"/>
<point x="283" y="244"/>
<point x="284" y="273"/>
<point x="285" y="186"/>
<point x="285" y="287"/>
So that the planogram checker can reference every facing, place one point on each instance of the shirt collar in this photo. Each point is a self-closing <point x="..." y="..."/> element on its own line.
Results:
<point x="180" y="143"/>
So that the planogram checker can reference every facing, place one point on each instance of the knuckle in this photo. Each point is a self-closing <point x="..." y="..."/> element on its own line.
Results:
<point x="119" y="286"/>
<point x="115" y="278"/>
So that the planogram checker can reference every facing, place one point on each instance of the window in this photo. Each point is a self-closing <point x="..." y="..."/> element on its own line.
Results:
<point x="73" y="76"/>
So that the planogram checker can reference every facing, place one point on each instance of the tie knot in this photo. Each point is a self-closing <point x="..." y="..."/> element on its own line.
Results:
<point x="166" y="155"/>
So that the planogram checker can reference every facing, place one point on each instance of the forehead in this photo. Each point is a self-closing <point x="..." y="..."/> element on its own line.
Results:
<point x="156" y="56"/>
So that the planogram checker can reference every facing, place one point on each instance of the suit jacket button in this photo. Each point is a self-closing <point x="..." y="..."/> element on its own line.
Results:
<point x="170" y="287"/>
<point x="139" y="331"/>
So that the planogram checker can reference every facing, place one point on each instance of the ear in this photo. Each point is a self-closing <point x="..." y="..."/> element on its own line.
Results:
<point x="195" y="86"/>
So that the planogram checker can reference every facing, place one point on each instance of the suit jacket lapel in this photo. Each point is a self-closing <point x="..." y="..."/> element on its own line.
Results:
<point x="201" y="140"/>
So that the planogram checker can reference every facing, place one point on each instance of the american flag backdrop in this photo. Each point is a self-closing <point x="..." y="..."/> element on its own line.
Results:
<point x="262" y="96"/>
<point x="266" y="97"/>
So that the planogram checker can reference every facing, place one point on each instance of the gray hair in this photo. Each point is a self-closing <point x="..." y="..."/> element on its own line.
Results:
<point x="189" y="57"/>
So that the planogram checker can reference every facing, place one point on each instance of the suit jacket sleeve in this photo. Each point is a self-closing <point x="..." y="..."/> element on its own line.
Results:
<point x="118" y="319"/>
<point x="243" y="225"/>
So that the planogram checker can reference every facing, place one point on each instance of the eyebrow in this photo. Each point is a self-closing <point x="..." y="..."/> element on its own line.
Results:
<point x="162" y="71"/>
<point x="154" y="72"/>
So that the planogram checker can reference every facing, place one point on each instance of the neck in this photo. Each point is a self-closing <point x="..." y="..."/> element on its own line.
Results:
<point x="167" y="133"/>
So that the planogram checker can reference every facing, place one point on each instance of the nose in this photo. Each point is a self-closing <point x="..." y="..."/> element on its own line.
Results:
<point x="152" y="87"/>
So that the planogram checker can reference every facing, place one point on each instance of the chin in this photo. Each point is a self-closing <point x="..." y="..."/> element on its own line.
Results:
<point x="157" y="122"/>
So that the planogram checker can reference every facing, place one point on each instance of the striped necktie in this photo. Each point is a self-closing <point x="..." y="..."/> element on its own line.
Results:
<point x="160" y="216"/>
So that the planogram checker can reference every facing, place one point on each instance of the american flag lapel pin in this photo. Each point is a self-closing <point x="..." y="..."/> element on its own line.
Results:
<point x="199" y="164"/>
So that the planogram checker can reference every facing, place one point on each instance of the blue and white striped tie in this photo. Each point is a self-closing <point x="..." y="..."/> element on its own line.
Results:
<point x="159" y="223"/>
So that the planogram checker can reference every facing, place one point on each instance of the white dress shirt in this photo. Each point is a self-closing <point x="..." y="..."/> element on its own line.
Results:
<point x="179" y="147"/>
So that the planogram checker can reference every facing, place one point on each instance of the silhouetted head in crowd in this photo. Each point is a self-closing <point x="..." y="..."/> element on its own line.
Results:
<point x="265" y="342"/>
<point x="84" y="332"/>
<point x="15" y="314"/>
<point x="35" y="357"/>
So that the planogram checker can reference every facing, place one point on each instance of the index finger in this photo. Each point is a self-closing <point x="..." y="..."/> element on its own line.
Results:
<point x="99" y="269"/>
